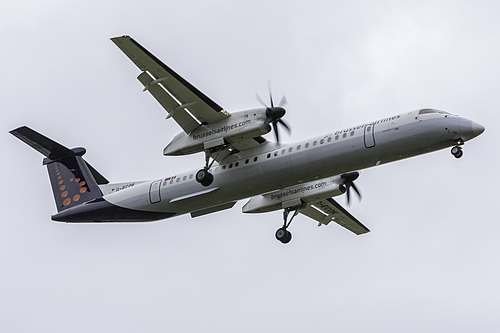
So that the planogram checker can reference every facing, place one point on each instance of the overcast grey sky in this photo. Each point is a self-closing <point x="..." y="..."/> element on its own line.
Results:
<point x="430" y="263"/>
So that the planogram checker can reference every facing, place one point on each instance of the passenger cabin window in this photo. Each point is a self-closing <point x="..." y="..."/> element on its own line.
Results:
<point x="321" y="141"/>
<point x="306" y="145"/>
<point x="315" y="143"/>
<point x="298" y="147"/>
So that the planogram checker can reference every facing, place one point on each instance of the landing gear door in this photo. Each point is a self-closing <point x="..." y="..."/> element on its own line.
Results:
<point x="154" y="192"/>
<point x="370" y="135"/>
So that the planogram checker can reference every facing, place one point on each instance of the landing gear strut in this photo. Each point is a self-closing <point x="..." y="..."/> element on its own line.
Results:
<point x="282" y="234"/>
<point x="457" y="150"/>
<point x="203" y="176"/>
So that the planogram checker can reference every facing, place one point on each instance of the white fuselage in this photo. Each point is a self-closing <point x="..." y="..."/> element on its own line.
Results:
<point x="334" y="153"/>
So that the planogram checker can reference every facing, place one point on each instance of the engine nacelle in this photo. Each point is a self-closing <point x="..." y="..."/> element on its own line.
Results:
<point x="239" y="127"/>
<point x="295" y="195"/>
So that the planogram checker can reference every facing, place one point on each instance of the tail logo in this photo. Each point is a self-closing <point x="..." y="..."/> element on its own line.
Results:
<point x="64" y="194"/>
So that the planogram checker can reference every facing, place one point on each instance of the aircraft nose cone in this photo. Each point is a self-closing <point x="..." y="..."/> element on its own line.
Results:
<point x="477" y="129"/>
<point x="469" y="129"/>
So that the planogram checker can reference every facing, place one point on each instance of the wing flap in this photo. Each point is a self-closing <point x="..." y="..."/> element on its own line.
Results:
<point x="174" y="110"/>
<point x="214" y="209"/>
<point x="328" y="210"/>
<point x="249" y="143"/>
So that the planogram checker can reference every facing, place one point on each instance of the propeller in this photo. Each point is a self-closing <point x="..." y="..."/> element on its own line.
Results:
<point x="347" y="182"/>
<point x="274" y="113"/>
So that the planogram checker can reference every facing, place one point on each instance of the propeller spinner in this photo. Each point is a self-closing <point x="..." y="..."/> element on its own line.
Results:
<point x="274" y="113"/>
<point x="348" y="182"/>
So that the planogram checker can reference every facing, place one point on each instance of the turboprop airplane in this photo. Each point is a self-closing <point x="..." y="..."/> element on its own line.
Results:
<point x="239" y="162"/>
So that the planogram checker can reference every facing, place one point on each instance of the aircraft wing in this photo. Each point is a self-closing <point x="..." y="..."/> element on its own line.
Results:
<point x="189" y="107"/>
<point x="328" y="210"/>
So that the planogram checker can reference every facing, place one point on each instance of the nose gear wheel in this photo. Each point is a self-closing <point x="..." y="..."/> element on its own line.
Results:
<point x="457" y="151"/>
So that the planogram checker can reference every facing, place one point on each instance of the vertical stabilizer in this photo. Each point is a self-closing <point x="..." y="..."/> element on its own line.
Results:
<point x="73" y="180"/>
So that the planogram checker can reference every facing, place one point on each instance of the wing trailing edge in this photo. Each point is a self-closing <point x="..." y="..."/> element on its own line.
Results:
<point x="189" y="107"/>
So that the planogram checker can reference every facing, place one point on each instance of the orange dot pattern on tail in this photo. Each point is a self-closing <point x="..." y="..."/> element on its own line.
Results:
<point x="64" y="193"/>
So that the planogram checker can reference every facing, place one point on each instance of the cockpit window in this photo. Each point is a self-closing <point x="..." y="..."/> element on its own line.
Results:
<point x="426" y="111"/>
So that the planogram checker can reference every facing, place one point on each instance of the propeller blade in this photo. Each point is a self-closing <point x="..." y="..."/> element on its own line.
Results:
<point x="348" y="181"/>
<point x="283" y="101"/>
<point x="260" y="100"/>
<point x="356" y="190"/>
<point x="275" y="128"/>
<point x="274" y="114"/>
<point x="285" y="125"/>
<point x="270" y="92"/>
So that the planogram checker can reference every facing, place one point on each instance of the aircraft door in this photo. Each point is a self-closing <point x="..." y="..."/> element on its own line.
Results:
<point x="370" y="135"/>
<point x="154" y="192"/>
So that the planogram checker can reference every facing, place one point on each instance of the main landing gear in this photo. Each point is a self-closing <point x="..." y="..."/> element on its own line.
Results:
<point x="203" y="176"/>
<point x="457" y="150"/>
<point x="282" y="234"/>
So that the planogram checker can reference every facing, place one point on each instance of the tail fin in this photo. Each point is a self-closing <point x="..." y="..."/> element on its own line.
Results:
<point x="73" y="180"/>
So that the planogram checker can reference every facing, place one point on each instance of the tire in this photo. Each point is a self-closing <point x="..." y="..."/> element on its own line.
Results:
<point x="209" y="178"/>
<point x="283" y="235"/>
<point x="201" y="175"/>
<point x="288" y="237"/>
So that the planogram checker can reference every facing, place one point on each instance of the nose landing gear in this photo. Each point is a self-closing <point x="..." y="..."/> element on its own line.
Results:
<point x="457" y="151"/>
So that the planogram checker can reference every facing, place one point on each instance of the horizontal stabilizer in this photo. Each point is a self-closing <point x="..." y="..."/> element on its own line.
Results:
<point x="73" y="180"/>
<point x="52" y="150"/>
<point x="41" y="143"/>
